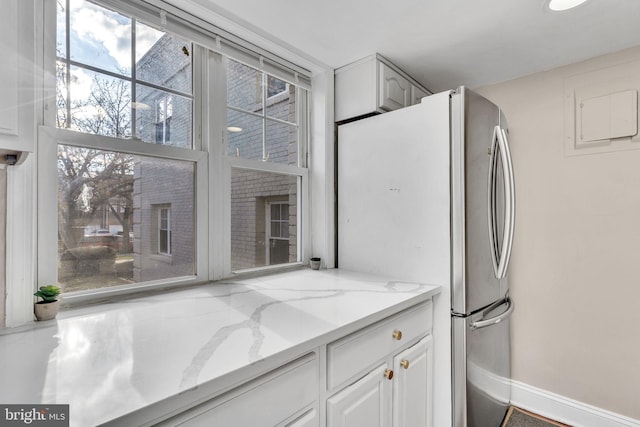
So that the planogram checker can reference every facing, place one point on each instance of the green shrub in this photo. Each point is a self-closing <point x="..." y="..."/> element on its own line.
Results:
<point x="88" y="260"/>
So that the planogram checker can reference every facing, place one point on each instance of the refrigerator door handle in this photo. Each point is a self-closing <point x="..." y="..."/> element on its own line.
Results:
<point x="494" y="320"/>
<point x="510" y="203"/>
<point x="499" y="257"/>
<point x="491" y="202"/>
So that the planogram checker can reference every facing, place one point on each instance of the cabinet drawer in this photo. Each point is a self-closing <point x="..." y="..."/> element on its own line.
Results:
<point x="359" y="351"/>
<point x="266" y="401"/>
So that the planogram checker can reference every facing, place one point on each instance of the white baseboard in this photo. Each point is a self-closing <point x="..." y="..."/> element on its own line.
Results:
<point x="565" y="410"/>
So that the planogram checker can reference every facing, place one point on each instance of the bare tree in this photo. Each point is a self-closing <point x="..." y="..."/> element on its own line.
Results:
<point x="89" y="179"/>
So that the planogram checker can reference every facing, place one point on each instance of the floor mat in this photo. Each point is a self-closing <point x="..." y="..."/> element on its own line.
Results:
<point x="517" y="417"/>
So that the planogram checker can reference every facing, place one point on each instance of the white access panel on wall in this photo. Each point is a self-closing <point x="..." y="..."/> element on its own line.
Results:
<point x="608" y="116"/>
<point x="601" y="110"/>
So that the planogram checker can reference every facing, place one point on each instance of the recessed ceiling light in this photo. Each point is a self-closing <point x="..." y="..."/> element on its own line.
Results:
<point x="560" y="5"/>
<point x="234" y="129"/>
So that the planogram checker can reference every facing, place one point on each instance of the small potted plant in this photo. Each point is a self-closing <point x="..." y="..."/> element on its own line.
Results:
<point x="47" y="309"/>
<point x="314" y="262"/>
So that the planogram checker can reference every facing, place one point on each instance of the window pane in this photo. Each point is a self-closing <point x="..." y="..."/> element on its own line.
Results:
<point x="275" y="86"/>
<point x="244" y="135"/>
<point x="164" y="242"/>
<point x="163" y="59"/>
<point x="108" y="222"/>
<point x="61" y="30"/>
<point x="100" y="37"/>
<point x="275" y="212"/>
<point x="282" y="143"/>
<point x="100" y="104"/>
<point x="163" y="117"/>
<point x="281" y="101"/>
<point x="251" y="194"/>
<point x="62" y="121"/>
<point x="275" y="229"/>
<point x="244" y="87"/>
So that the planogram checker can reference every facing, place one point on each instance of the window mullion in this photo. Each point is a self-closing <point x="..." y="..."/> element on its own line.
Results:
<point x="134" y="131"/>
<point x="264" y="117"/>
<point x="67" y="65"/>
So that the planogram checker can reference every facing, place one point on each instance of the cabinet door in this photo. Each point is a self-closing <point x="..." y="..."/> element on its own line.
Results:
<point x="309" y="419"/>
<point x="413" y="385"/>
<point x="366" y="403"/>
<point x="9" y="68"/>
<point x="394" y="89"/>
<point x="269" y="400"/>
<point x="417" y="94"/>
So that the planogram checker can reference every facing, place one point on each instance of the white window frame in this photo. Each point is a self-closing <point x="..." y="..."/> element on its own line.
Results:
<point x="37" y="43"/>
<point x="213" y="169"/>
<point x="48" y="140"/>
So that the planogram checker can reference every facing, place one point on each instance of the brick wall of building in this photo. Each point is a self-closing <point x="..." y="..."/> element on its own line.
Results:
<point x="163" y="183"/>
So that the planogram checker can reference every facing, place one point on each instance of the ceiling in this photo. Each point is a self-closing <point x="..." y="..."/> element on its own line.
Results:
<point x="446" y="43"/>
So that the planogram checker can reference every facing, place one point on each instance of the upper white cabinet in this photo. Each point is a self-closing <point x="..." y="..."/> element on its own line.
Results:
<point x="417" y="94"/>
<point x="395" y="90"/>
<point x="17" y="77"/>
<point x="373" y="85"/>
<point x="9" y="69"/>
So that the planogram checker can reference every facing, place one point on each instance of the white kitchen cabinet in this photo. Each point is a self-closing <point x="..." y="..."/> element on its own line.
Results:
<point x="9" y="69"/>
<point x="17" y="78"/>
<point x="413" y="385"/>
<point x="270" y="400"/>
<point x="309" y="419"/>
<point x="395" y="90"/>
<point x="366" y="403"/>
<point x="383" y="373"/>
<point x="417" y="94"/>
<point x="373" y="85"/>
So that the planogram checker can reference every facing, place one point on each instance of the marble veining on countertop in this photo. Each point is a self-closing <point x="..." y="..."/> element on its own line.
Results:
<point x="110" y="360"/>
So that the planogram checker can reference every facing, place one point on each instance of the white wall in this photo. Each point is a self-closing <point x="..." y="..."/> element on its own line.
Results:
<point x="575" y="274"/>
<point x="3" y="213"/>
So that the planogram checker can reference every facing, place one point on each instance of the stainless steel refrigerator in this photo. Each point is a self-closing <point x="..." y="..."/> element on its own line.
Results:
<point x="426" y="193"/>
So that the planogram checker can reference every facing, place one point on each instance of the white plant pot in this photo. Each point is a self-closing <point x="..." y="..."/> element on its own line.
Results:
<point x="46" y="310"/>
<point x="314" y="263"/>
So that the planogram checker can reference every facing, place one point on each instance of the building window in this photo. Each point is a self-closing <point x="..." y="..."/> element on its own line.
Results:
<point x="276" y="87"/>
<point x="134" y="169"/>
<point x="256" y="128"/>
<point x="264" y="134"/>
<point x="121" y="78"/>
<point x="164" y="113"/>
<point x="278" y="243"/>
<point x="164" y="231"/>
<point x="112" y="70"/>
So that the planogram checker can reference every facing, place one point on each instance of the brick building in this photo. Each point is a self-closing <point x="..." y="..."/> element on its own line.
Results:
<point x="261" y="127"/>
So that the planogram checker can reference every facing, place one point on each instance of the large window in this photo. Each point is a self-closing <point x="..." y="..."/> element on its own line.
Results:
<point x="120" y="77"/>
<point x="141" y="180"/>
<point x="263" y="115"/>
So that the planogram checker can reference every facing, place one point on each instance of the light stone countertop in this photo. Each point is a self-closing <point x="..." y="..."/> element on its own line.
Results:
<point x="136" y="357"/>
